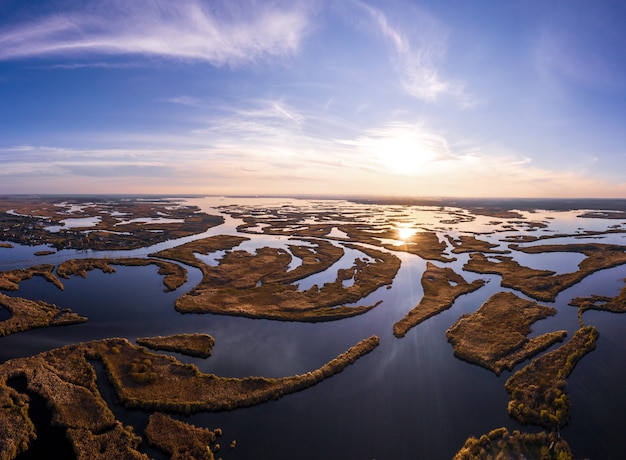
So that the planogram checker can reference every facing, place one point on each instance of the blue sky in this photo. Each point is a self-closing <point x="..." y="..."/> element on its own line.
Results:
<point x="395" y="98"/>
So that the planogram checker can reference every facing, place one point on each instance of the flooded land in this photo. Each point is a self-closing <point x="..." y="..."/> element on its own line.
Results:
<point x="251" y="327"/>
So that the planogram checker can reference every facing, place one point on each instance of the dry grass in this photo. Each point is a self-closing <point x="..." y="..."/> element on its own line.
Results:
<point x="175" y="275"/>
<point x="199" y="345"/>
<point x="120" y="442"/>
<point x="10" y="280"/>
<point x="615" y="304"/>
<point x="6" y="245"/>
<point x="67" y="382"/>
<point x="495" y="336"/>
<point x="545" y="284"/>
<point x="537" y="392"/>
<point x="439" y="295"/>
<point x="107" y="234"/>
<point x="500" y="444"/>
<point x="469" y="243"/>
<point x="180" y="440"/>
<point x="28" y="314"/>
<point x="238" y="286"/>
<point x="183" y="388"/>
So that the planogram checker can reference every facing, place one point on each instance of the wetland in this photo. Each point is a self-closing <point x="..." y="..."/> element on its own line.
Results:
<point x="308" y="328"/>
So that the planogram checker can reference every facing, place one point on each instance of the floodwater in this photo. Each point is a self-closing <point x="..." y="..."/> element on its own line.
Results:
<point x="409" y="398"/>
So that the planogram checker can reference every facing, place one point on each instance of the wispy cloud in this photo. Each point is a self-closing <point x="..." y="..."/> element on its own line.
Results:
<point x="220" y="32"/>
<point x="419" y="50"/>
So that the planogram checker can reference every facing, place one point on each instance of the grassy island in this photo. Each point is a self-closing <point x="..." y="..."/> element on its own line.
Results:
<point x="44" y="253"/>
<point x="175" y="275"/>
<point x="199" y="345"/>
<point x="66" y="380"/>
<point x="152" y="381"/>
<point x="10" y="279"/>
<point x="441" y="288"/>
<point x="27" y="314"/>
<point x="469" y="243"/>
<point x="500" y="444"/>
<point x="258" y="285"/>
<point x="537" y="392"/>
<point x="615" y="304"/>
<point x="179" y="439"/>
<point x="6" y="245"/>
<point x="544" y="285"/>
<point x="495" y="336"/>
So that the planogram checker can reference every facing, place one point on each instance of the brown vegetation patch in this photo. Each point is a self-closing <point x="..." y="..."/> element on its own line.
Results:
<point x="44" y="253"/>
<point x="175" y="275"/>
<point x="6" y="245"/>
<point x="67" y="382"/>
<point x="179" y="439"/>
<point x="199" y="345"/>
<point x="185" y="253"/>
<point x="243" y="285"/>
<point x="27" y="314"/>
<point x="615" y="304"/>
<point x="545" y="284"/>
<point x="537" y="392"/>
<point x="500" y="444"/>
<point x="10" y="279"/>
<point x="183" y="388"/>
<point x="495" y="336"/>
<point x="468" y="243"/>
<point x="32" y="215"/>
<point x="441" y="288"/>
<point x="120" y="442"/>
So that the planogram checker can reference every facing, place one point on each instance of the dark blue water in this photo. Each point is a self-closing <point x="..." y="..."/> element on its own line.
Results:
<point x="409" y="398"/>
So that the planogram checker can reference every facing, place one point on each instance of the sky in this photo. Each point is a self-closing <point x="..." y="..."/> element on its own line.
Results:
<point x="458" y="98"/>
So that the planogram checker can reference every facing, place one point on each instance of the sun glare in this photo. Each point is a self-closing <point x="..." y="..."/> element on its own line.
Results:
<point x="405" y="233"/>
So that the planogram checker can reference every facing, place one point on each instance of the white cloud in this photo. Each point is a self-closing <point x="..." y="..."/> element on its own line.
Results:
<point x="221" y="33"/>
<point x="419" y="49"/>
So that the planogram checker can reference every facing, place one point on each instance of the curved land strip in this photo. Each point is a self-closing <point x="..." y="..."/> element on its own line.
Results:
<point x="6" y="245"/>
<point x="580" y="235"/>
<point x="10" y="279"/>
<point x="44" y="253"/>
<point x="175" y="275"/>
<point x="544" y="285"/>
<point x="537" y="392"/>
<point x="468" y="243"/>
<point x="67" y="381"/>
<point x="179" y="439"/>
<point x="27" y="314"/>
<point x="441" y="287"/>
<point x="155" y="382"/>
<point x="238" y="286"/>
<point x="199" y="345"/>
<point x="615" y="304"/>
<point x="25" y="221"/>
<point x="500" y="444"/>
<point x="495" y="336"/>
